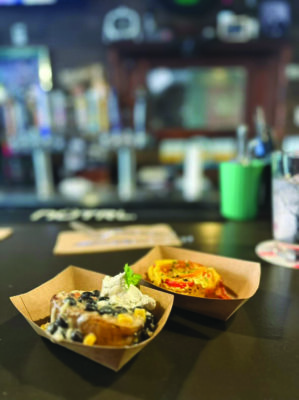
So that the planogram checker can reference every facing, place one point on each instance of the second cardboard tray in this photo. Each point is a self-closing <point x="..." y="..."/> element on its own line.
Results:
<point x="242" y="277"/>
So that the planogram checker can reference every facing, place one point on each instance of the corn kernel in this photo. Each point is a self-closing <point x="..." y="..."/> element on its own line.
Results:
<point x="140" y="313"/>
<point x="90" y="339"/>
<point x="124" y="319"/>
<point x="44" y="326"/>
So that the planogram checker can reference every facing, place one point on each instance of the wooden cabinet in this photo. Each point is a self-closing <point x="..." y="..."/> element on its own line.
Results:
<point x="263" y="60"/>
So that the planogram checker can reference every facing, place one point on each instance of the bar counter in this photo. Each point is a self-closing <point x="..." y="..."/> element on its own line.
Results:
<point x="254" y="355"/>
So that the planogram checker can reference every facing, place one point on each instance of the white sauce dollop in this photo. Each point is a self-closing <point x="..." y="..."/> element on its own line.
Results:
<point x="115" y="287"/>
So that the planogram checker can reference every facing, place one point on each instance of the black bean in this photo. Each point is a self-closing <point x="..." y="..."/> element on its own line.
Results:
<point x="77" y="336"/>
<point x="150" y="322"/>
<point x="85" y="295"/>
<point x="90" y="301"/>
<point x="52" y="328"/>
<point x="71" y="301"/>
<point x="152" y="327"/>
<point x="90" y="307"/>
<point x="96" y="293"/>
<point x="143" y="335"/>
<point x="120" y="310"/>
<point x="104" y="298"/>
<point x="149" y="318"/>
<point x="62" y="323"/>
<point x="106" y="310"/>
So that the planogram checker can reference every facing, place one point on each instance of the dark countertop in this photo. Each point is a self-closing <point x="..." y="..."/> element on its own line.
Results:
<point x="254" y="355"/>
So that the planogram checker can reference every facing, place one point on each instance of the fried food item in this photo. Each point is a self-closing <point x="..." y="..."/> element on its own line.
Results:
<point x="187" y="277"/>
<point x="92" y="319"/>
<point x="119" y="315"/>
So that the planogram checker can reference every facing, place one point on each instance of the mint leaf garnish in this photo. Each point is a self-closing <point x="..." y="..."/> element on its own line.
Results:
<point x="130" y="277"/>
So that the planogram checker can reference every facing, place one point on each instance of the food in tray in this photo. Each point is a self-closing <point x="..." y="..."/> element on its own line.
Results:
<point x="187" y="277"/>
<point x="119" y="315"/>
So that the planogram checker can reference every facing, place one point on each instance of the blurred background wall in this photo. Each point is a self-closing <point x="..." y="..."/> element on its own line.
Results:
<point x="103" y="76"/>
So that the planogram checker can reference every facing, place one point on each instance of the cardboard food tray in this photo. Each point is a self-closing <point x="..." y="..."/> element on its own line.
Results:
<point x="241" y="277"/>
<point x="35" y="308"/>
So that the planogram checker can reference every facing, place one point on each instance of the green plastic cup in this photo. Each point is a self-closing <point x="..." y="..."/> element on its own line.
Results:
<point x="240" y="185"/>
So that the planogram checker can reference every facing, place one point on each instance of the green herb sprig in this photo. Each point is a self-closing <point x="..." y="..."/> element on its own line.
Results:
<point x="130" y="277"/>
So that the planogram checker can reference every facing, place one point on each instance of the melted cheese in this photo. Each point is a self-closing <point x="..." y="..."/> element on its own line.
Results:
<point x="187" y="277"/>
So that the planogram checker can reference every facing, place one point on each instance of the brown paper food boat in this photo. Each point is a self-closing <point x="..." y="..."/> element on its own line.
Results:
<point x="240" y="277"/>
<point x="35" y="307"/>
